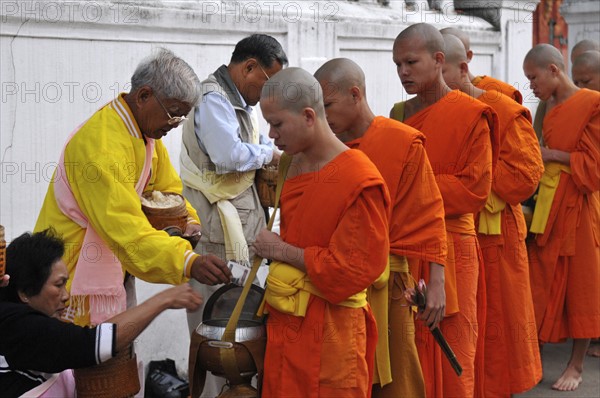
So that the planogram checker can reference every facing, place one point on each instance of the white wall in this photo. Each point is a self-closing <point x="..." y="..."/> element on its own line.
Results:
<point x="60" y="61"/>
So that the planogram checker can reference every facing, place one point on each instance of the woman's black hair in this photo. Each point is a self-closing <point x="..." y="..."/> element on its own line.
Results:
<point x="29" y="260"/>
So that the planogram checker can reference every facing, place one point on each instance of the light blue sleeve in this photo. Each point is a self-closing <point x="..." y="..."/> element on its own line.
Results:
<point x="218" y="133"/>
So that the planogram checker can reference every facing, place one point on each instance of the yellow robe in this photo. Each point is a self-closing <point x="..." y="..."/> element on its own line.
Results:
<point x="103" y="162"/>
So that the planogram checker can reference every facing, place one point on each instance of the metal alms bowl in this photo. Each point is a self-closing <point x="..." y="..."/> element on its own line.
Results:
<point x="246" y="330"/>
<point x="250" y="333"/>
<point x="250" y="336"/>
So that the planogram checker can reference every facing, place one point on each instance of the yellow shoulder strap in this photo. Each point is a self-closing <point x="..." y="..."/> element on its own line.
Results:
<point x="398" y="111"/>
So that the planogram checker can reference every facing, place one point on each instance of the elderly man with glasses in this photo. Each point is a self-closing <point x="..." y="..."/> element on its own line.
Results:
<point x="94" y="199"/>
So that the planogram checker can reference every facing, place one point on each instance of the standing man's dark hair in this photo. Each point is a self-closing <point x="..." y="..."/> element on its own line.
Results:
<point x="264" y="48"/>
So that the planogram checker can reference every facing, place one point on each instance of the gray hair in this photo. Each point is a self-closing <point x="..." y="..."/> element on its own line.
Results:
<point x="169" y="76"/>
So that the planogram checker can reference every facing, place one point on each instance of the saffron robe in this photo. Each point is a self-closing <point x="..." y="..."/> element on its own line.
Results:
<point x="461" y="145"/>
<point x="565" y="259"/>
<point x="103" y="163"/>
<point x="339" y="216"/>
<point x="417" y="230"/>
<point x="512" y="358"/>
<point x="488" y="83"/>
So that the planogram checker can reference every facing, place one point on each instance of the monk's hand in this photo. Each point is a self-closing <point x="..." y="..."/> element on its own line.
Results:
<point x="268" y="245"/>
<point x="435" y="308"/>
<point x="210" y="270"/>
<point x="192" y="233"/>
<point x="546" y="154"/>
<point x="4" y="280"/>
<point x="181" y="296"/>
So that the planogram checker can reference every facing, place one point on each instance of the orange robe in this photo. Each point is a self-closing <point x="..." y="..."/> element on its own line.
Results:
<point x="488" y="83"/>
<point x="460" y="149"/>
<point x="565" y="259"/>
<point x="339" y="215"/>
<point x="512" y="358"/>
<point x="417" y="230"/>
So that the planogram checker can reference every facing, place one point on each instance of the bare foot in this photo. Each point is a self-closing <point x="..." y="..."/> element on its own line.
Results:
<point x="569" y="380"/>
<point x="594" y="350"/>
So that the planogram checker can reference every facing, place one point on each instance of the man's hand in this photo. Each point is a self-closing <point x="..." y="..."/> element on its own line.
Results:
<point x="192" y="234"/>
<point x="181" y="296"/>
<point x="435" y="309"/>
<point x="210" y="270"/>
<point x="4" y="280"/>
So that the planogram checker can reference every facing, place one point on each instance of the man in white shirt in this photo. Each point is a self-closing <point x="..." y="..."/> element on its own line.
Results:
<point x="222" y="149"/>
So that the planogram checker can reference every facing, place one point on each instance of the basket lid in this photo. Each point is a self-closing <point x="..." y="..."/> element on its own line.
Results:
<point x="221" y="303"/>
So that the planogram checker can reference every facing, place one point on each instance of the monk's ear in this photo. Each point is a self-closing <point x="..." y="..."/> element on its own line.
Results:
<point x="464" y="68"/>
<point x="469" y="55"/>
<point x="439" y="58"/>
<point x="356" y="94"/>
<point x="309" y="115"/>
<point x="554" y="69"/>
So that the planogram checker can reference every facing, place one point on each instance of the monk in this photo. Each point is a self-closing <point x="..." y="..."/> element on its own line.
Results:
<point x="417" y="227"/>
<point x="586" y="74"/>
<point x="459" y="147"/>
<point x="512" y="359"/>
<point x="583" y="46"/>
<point x="484" y="82"/>
<point x="565" y="256"/>
<point x="586" y="70"/>
<point x="333" y="245"/>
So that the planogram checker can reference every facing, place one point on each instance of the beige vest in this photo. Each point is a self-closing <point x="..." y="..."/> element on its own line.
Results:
<point x="246" y="203"/>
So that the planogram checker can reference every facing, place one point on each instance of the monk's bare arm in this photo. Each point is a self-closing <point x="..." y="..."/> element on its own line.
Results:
<point x="436" y="296"/>
<point x="556" y="156"/>
<point x="270" y="245"/>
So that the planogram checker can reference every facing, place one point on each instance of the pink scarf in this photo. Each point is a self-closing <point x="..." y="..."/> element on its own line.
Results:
<point x="98" y="272"/>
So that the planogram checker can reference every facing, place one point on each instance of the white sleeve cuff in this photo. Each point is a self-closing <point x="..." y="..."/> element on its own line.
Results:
<point x="105" y="340"/>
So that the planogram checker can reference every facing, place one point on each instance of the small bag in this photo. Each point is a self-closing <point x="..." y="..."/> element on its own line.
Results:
<point x="266" y="185"/>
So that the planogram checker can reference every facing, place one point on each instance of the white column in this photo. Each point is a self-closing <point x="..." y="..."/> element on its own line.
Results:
<point x="516" y="25"/>
<point x="583" y="19"/>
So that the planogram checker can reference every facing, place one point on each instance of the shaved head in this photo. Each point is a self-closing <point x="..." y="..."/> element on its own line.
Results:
<point x="454" y="50"/>
<point x="544" y="55"/>
<point x="294" y="89"/>
<point x="586" y="70"/>
<point x="462" y="36"/>
<point x="584" y="46"/>
<point x="589" y="59"/>
<point x="427" y="34"/>
<point x="343" y="73"/>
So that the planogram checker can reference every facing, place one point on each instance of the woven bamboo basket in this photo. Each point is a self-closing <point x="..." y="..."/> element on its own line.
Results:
<point x="162" y="218"/>
<point x="115" y="378"/>
<point x="266" y="184"/>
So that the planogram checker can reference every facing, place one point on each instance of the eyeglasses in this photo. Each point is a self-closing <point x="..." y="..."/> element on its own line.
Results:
<point x="173" y="120"/>
<point x="263" y="71"/>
